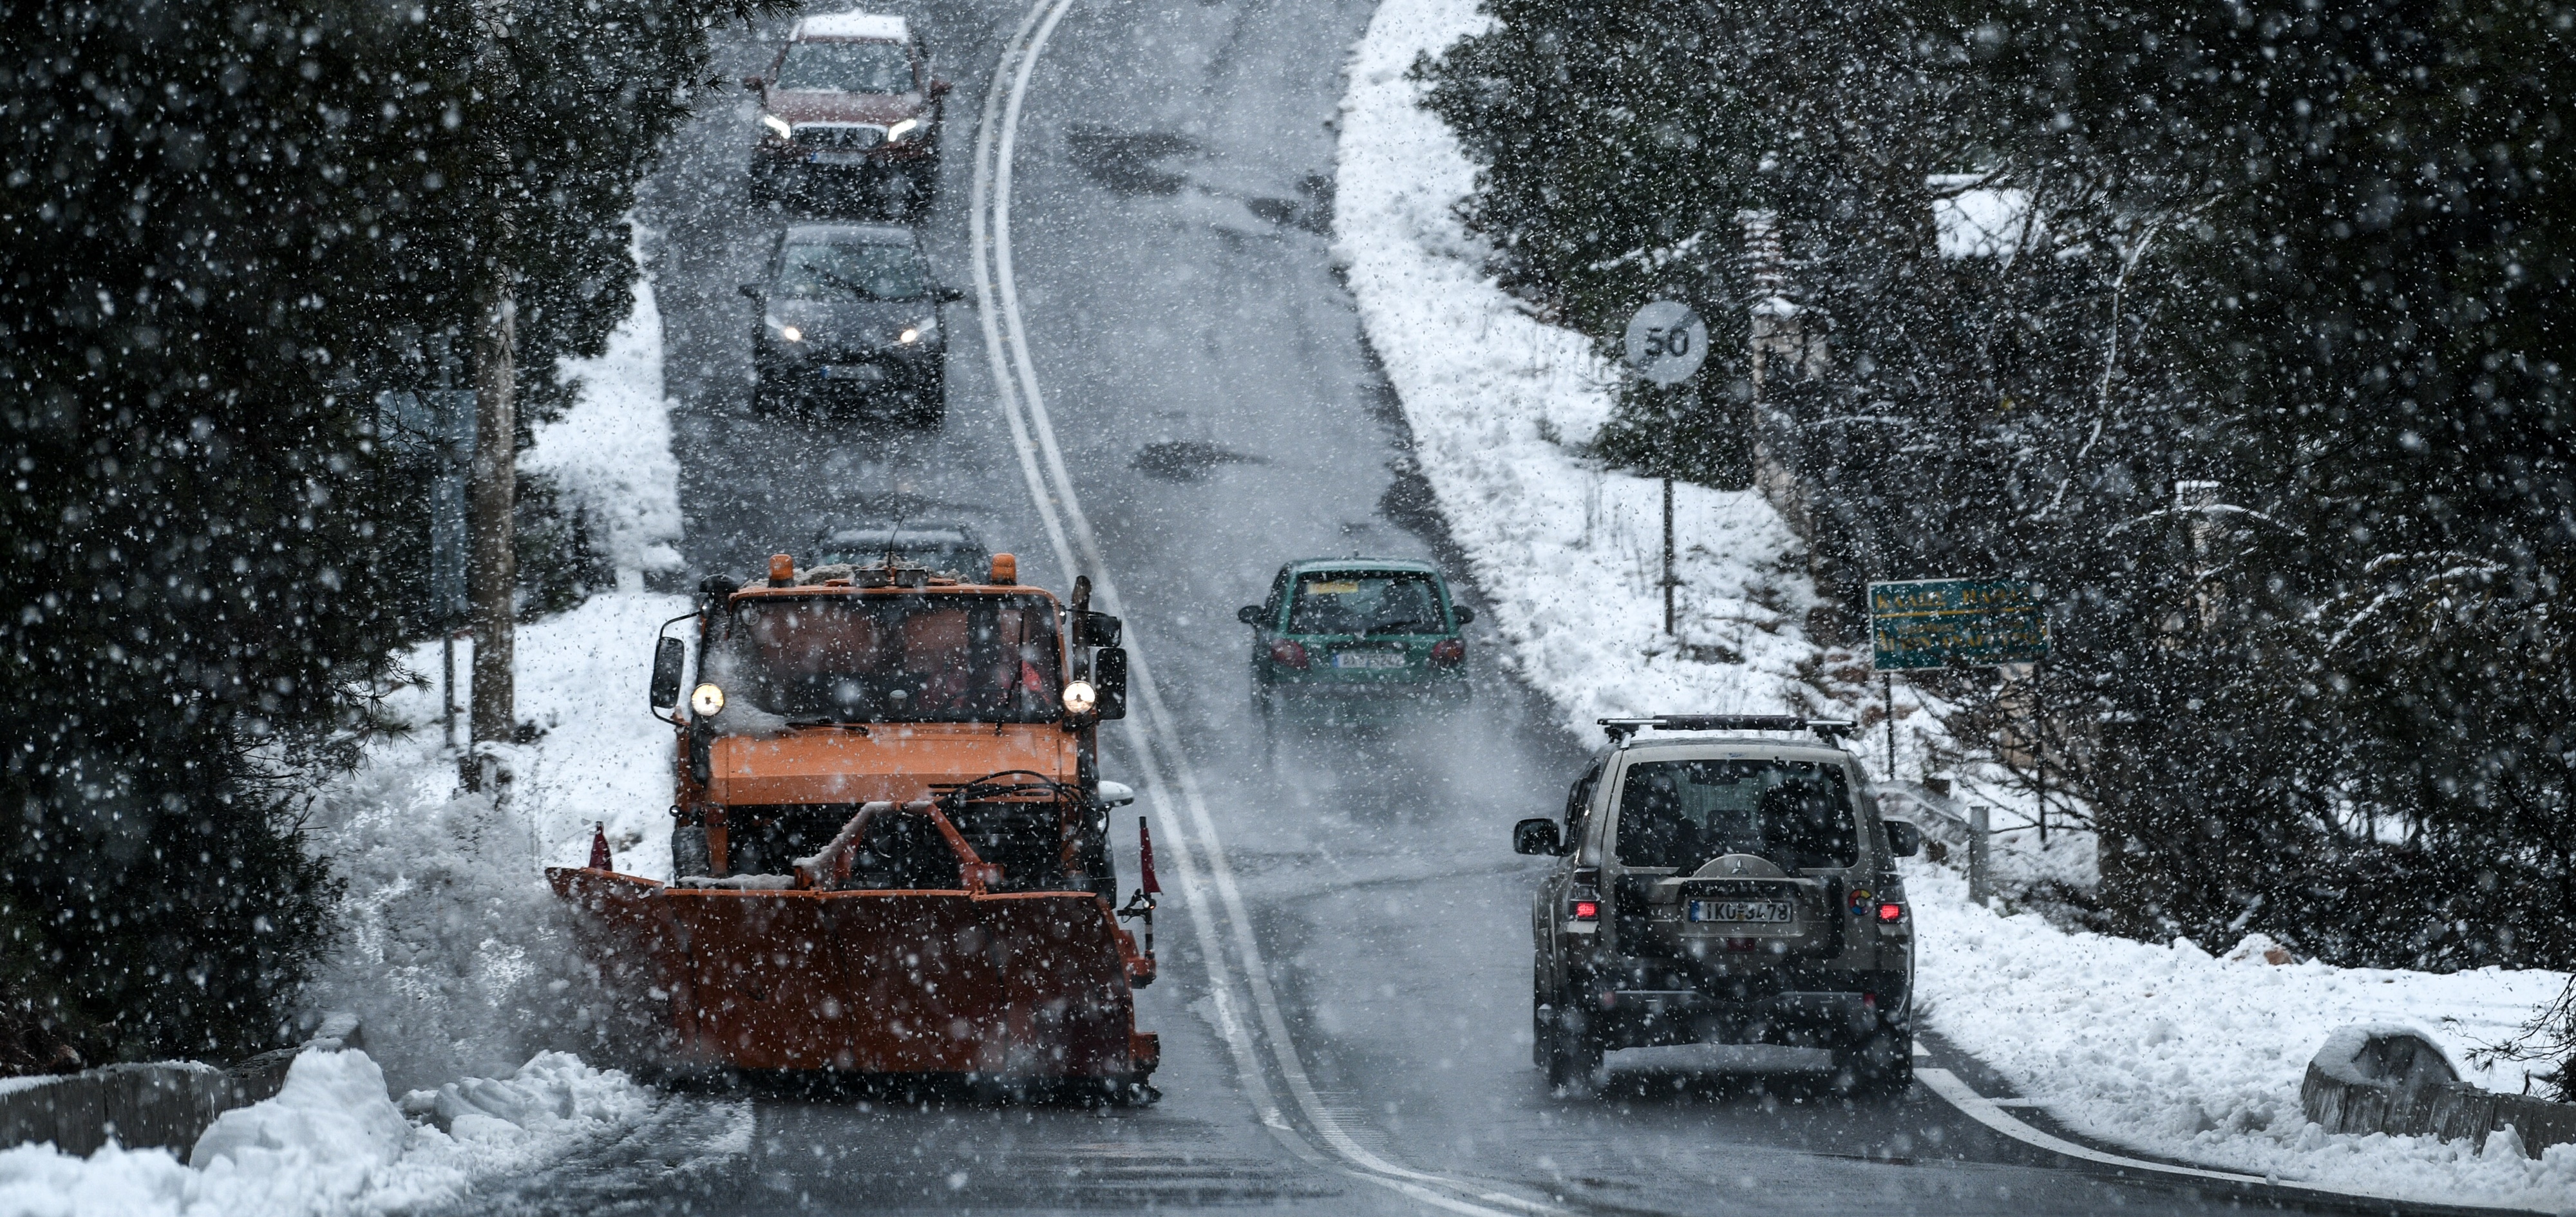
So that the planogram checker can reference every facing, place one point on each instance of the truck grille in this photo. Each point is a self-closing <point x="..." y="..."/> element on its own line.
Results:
<point x="838" y="137"/>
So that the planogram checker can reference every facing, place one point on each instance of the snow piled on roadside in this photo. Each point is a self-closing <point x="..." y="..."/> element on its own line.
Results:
<point x="2199" y="1057"/>
<point x="454" y="956"/>
<point x="610" y="454"/>
<point x="1569" y="554"/>
<point x="333" y="1142"/>
<point x="2162" y="1048"/>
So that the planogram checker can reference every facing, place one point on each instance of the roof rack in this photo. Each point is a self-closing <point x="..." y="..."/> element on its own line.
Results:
<point x="1831" y="730"/>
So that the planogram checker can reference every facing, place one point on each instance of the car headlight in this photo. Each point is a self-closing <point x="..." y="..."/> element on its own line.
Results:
<point x="706" y="701"/>
<point x="919" y="331"/>
<point x="785" y="331"/>
<point x="1079" y="697"/>
<point x="904" y="130"/>
<point x="777" y="126"/>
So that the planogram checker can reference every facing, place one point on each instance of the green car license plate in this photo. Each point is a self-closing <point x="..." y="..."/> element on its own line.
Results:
<point x="1765" y="911"/>
<point x="1368" y="659"/>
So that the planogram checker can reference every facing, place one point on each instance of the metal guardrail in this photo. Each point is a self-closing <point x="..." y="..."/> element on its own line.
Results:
<point x="2394" y="1080"/>
<point x="168" y="1105"/>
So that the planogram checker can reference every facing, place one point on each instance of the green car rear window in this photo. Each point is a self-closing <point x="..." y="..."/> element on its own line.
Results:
<point x="1346" y="602"/>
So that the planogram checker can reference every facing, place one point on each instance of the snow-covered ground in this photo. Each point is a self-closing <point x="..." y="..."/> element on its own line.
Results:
<point x="2196" y="1056"/>
<point x="334" y="1142"/>
<point x="450" y="947"/>
<point x="2161" y="1047"/>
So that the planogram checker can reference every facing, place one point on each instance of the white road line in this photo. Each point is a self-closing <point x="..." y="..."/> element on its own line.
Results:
<point x="1015" y="380"/>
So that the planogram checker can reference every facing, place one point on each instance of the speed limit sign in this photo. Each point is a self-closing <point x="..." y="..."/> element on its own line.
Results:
<point x="1666" y="342"/>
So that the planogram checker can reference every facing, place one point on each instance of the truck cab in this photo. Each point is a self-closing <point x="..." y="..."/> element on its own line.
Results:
<point x="1717" y="883"/>
<point x="819" y="691"/>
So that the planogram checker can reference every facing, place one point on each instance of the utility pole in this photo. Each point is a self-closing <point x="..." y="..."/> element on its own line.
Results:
<point x="493" y="570"/>
<point x="1668" y="556"/>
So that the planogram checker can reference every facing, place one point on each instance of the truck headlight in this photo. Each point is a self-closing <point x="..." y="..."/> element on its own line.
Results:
<point x="904" y="130"/>
<point x="777" y="126"/>
<point x="1080" y="697"/>
<point x="706" y="701"/>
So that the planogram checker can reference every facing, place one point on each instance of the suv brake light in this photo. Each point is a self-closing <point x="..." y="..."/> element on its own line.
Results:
<point x="1288" y="653"/>
<point x="1890" y="912"/>
<point x="1587" y="910"/>
<point x="1449" y="650"/>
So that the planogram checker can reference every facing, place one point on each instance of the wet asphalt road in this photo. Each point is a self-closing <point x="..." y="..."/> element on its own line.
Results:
<point x="1220" y="414"/>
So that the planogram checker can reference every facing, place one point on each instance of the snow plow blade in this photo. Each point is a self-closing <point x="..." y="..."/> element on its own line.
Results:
<point x="1024" y="985"/>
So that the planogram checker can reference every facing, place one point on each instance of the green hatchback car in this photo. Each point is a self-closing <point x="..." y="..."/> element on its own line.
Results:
<point x="1356" y="641"/>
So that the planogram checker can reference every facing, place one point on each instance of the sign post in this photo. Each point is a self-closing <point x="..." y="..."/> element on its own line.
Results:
<point x="1666" y="344"/>
<point x="1924" y="624"/>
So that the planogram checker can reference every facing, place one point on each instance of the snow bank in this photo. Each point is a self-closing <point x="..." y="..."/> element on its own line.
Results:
<point x="332" y="1142"/>
<point x="1569" y="554"/>
<point x="610" y="454"/>
<point x="2176" y="1051"/>
<point x="453" y="953"/>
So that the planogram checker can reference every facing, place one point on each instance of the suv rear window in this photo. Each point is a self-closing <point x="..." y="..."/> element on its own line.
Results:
<point x="1683" y="813"/>
<point x="845" y="67"/>
<point x="1343" y="602"/>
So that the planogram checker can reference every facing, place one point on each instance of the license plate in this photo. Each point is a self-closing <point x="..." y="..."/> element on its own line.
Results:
<point x="1771" y="911"/>
<point x="862" y="371"/>
<point x="836" y="158"/>
<point x="1368" y="659"/>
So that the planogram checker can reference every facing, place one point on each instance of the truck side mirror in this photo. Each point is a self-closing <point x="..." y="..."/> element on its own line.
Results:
<point x="669" y="656"/>
<point x="1903" y="839"/>
<point x="1092" y="629"/>
<point x="751" y="291"/>
<point x="1109" y="676"/>
<point x="1249" y="614"/>
<point x="1466" y="616"/>
<point x="940" y="88"/>
<point x="1536" y="837"/>
<point x="752" y="83"/>
<point x="950" y="295"/>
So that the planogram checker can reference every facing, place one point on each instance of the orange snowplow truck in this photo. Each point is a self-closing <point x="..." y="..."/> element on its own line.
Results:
<point x="891" y="840"/>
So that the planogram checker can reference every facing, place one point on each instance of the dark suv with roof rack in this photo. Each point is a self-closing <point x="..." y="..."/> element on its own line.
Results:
<point x="1723" y="881"/>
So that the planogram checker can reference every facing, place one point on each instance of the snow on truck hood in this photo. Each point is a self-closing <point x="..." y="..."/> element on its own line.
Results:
<point x="854" y="24"/>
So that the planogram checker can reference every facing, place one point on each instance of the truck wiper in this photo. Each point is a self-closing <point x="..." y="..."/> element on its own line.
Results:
<point x="851" y="723"/>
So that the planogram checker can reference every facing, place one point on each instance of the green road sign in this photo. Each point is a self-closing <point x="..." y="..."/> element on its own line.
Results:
<point x="1955" y="623"/>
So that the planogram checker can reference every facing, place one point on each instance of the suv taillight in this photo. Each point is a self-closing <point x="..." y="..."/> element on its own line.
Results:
<point x="1449" y="650"/>
<point x="1582" y="904"/>
<point x="1890" y="912"/>
<point x="1288" y="654"/>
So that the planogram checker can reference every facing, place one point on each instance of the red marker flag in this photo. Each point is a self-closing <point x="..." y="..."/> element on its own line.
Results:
<point x="599" y="859"/>
<point x="1145" y="856"/>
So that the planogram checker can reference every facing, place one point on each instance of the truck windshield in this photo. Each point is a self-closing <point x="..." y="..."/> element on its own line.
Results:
<point x="1683" y="813"/>
<point x="846" y="67"/>
<point x="916" y="658"/>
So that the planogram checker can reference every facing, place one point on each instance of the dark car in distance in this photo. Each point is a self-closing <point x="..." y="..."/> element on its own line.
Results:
<point x="850" y="97"/>
<point x="850" y="314"/>
<point x="946" y="549"/>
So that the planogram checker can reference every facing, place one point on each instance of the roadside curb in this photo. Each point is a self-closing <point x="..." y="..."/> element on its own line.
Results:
<point x="164" y="1105"/>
